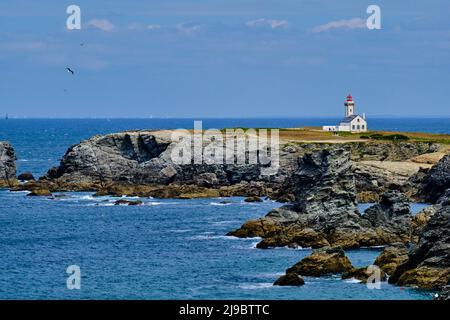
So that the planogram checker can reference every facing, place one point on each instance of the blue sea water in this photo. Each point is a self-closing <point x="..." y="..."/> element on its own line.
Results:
<point x="164" y="249"/>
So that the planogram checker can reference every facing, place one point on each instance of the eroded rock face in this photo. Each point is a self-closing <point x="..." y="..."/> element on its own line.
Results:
<point x="7" y="165"/>
<point x="428" y="264"/>
<point x="324" y="212"/>
<point x="436" y="181"/>
<point x="322" y="262"/>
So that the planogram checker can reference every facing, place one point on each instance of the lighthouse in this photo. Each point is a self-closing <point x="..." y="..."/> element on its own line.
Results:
<point x="349" y="106"/>
<point x="352" y="122"/>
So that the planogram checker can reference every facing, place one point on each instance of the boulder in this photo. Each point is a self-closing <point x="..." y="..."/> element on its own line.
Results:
<point x="125" y="202"/>
<point x="25" y="176"/>
<point x="253" y="199"/>
<point x="7" y="165"/>
<point x="40" y="193"/>
<point x="290" y="279"/>
<point x="363" y="274"/>
<point x="391" y="257"/>
<point x="322" y="262"/>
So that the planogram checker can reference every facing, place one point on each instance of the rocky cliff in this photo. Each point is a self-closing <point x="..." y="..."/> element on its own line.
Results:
<point x="139" y="163"/>
<point x="7" y="165"/>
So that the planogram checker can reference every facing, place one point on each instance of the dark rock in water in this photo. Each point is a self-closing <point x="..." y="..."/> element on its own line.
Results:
<point x="40" y="193"/>
<point x="392" y="257"/>
<point x="128" y="202"/>
<point x="26" y="176"/>
<point x="322" y="262"/>
<point x="253" y="199"/>
<point x="428" y="264"/>
<point x="290" y="279"/>
<point x="7" y="165"/>
<point x="363" y="274"/>
<point x="436" y="181"/>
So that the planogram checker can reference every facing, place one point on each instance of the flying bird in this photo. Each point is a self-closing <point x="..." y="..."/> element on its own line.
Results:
<point x="70" y="70"/>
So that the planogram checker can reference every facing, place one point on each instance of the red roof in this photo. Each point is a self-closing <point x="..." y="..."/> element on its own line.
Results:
<point x="349" y="97"/>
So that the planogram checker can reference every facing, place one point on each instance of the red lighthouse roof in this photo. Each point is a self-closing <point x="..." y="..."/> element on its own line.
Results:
<point x="349" y="97"/>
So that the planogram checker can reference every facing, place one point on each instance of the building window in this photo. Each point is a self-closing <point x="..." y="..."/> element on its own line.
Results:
<point x="353" y="127"/>
<point x="363" y="127"/>
<point x="359" y="127"/>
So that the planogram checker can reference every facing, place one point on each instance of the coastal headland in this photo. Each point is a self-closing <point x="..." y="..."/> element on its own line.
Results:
<point x="321" y="178"/>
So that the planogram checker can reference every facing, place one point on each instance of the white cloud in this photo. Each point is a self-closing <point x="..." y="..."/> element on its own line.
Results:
<point x="153" y="27"/>
<point x="355" y="23"/>
<point x="24" y="46"/>
<point x="189" y="27"/>
<point x="271" y="23"/>
<point x="101" y="24"/>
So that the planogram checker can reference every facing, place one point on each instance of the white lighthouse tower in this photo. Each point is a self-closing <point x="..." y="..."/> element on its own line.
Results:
<point x="349" y="106"/>
<point x="352" y="122"/>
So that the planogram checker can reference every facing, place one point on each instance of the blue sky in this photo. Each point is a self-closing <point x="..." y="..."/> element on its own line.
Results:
<point x="224" y="58"/>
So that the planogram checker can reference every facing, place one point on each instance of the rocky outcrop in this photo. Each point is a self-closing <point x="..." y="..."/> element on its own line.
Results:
<point x="290" y="279"/>
<point x="428" y="264"/>
<point x="322" y="262"/>
<point x="392" y="257"/>
<point x="324" y="211"/>
<point x="7" y="165"/>
<point x="363" y="274"/>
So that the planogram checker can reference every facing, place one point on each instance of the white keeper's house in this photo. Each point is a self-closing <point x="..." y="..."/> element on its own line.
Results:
<point x="352" y="122"/>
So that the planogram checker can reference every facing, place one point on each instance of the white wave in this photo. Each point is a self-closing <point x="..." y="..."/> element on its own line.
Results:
<point x="212" y="237"/>
<point x="180" y="230"/>
<point x="256" y="286"/>
<point x="219" y="204"/>
<point x="352" y="280"/>
<point x="225" y="222"/>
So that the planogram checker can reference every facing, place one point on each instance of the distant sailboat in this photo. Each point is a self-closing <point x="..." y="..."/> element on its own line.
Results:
<point x="6" y="117"/>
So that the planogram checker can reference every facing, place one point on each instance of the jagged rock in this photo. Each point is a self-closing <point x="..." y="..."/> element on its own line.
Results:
<point x="363" y="274"/>
<point x="436" y="181"/>
<point x="420" y="220"/>
<point x="25" y="176"/>
<point x="253" y="199"/>
<point x="325" y="213"/>
<point x="7" y="165"/>
<point x="392" y="257"/>
<point x="322" y="262"/>
<point x="428" y="264"/>
<point x="127" y="202"/>
<point x="290" y="279"/>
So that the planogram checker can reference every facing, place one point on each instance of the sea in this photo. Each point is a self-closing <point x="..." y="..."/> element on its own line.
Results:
<point x="165" y="248"/>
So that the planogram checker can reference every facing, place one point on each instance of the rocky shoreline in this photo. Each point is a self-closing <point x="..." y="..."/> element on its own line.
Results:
<point x="321" y="184"/>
